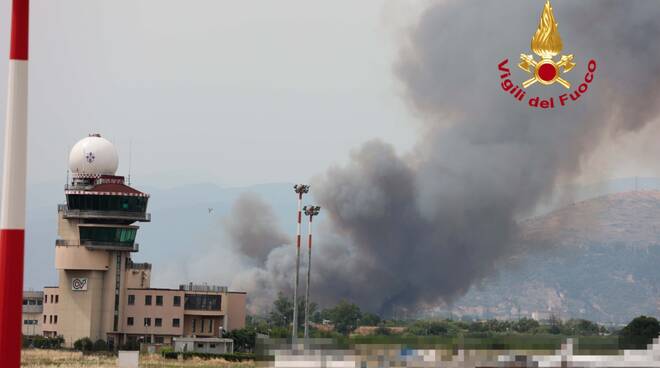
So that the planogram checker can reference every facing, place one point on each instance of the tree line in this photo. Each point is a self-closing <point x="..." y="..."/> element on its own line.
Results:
<point x="344" y="318"/>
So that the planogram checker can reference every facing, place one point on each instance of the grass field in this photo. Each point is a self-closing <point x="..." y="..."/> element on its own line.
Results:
<point x="71" y="359"/>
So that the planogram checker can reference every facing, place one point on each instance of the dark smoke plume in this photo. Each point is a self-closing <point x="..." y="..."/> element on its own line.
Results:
<point x="252" y="227"/>
<point x="421" y="228"/>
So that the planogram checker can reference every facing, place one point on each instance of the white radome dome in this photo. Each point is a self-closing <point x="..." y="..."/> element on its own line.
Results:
<point x="94" y="155"/>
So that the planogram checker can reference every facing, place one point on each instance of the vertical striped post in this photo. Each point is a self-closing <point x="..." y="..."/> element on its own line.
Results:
<point x="310" y="211"/>
<point x="294" y="330"/>
<point x="12" y="210"/>
<point x="300" y="189"/>
<point x="309" y="272"/>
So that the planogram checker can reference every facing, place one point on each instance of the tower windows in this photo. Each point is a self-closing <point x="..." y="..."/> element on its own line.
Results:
<point x="159" y="300"/>
<point x="147" y="300"/>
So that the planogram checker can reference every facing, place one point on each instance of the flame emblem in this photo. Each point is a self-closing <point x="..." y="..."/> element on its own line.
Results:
<point x="547" y="44"/>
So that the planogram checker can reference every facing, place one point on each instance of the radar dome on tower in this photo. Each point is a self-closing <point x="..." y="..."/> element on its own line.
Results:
<point x="94" y="155"/>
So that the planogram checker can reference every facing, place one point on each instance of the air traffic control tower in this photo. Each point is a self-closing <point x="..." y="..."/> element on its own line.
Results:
<point x="97" y="230"/>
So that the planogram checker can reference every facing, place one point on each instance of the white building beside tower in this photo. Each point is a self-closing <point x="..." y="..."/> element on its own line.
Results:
<point x="102" y="293"/>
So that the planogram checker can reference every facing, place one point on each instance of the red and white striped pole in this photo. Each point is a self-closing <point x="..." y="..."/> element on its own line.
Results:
<point x="310" y="211"/>
<point x="300" y="189"/>
<point x="12" y="210"/>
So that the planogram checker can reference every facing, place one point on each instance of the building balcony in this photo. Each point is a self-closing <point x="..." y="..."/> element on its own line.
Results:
<point x="98" y="245"/>
<point x="104" y="215"/>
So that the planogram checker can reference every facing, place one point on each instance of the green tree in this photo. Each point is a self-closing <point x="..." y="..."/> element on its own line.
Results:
<point x="345" y="316"/>
<point x="430" y="328"/>
<point x="282" y="313"/>
<point x="579" y="327"/>
<point x="369" y="319"/>
<point x="640" y="331"/>
<point x="525" y="325"/>
<point x="244" y="339"/>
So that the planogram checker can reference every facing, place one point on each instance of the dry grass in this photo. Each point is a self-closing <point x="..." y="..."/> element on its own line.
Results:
<point x="68" y="359"/>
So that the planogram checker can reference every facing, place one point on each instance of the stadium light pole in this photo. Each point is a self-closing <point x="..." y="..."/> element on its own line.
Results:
<point x="310" y="211"/>
<point x="12" y="210"/>
<point x="300" y="189"/>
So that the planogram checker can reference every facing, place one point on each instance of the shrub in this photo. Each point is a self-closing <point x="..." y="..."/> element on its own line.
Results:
<point x="130" y="345"/>
<point x="100" y="345"/>
<point x="83" y="344"/>
<point x="42" y="342"/>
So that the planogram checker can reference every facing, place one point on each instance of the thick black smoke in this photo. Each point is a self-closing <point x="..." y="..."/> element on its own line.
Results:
<point x="406" y="230"/>
<point x="252" y="227"/>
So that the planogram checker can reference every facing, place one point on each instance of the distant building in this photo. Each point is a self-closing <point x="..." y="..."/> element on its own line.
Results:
<point x="102" y="293"/>
<point x="32" y="311"/>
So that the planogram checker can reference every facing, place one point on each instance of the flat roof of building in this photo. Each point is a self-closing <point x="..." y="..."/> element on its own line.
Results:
<point x="191" y="291"/>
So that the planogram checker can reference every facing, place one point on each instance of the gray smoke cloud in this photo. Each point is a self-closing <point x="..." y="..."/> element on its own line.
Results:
<point x="253" y="227"/>
<point x="421" y="228"/>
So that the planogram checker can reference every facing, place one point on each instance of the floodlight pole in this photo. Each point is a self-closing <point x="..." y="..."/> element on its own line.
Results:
<point x="310" y="211"/>
<point x="300" y="189"/>
<point x="12" y="209"/>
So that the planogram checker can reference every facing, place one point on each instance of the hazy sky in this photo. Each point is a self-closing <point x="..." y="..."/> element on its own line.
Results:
<point x="234" y="92"/>
<point x="230" y="92"/>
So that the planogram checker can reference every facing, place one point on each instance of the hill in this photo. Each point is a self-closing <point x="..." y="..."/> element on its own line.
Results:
<point x="596" y="259"/>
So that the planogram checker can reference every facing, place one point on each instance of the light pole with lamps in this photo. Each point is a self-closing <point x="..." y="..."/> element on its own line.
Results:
<point x="310" y="211"/>
<point x="300" y="189"/>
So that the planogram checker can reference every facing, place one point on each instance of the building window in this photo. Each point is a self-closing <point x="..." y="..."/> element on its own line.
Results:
<point x="147" y="321"/>
<point x="201" y="346"/>
<point x="55" y="319"/>
<point x="39" y="302"/>
<point x="57" y="299"/>
<point x="26" y="322"/>
<point x="129" y="321"/>
<point x="158" y="322"/>
<point x="203" y="301"/>
<point x="176" y="322"/>
<point x="159" y="300"/>
<point x="51" y="298"/>
<point x="194" y="324"/>
<point x="201" y="328"/>
<point x="44" y="318"/>
<point x="159" y="339"/>
<point x="177" y="301"/>
<point x="131" y="299"/>
<point x="210" y="325"/>
<point x="147" y="300"/>
<point x="50" y="319"/>
<point x="46" y="298"/>
<point x="212" y="346"/>
<point x="25" y="302"/>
